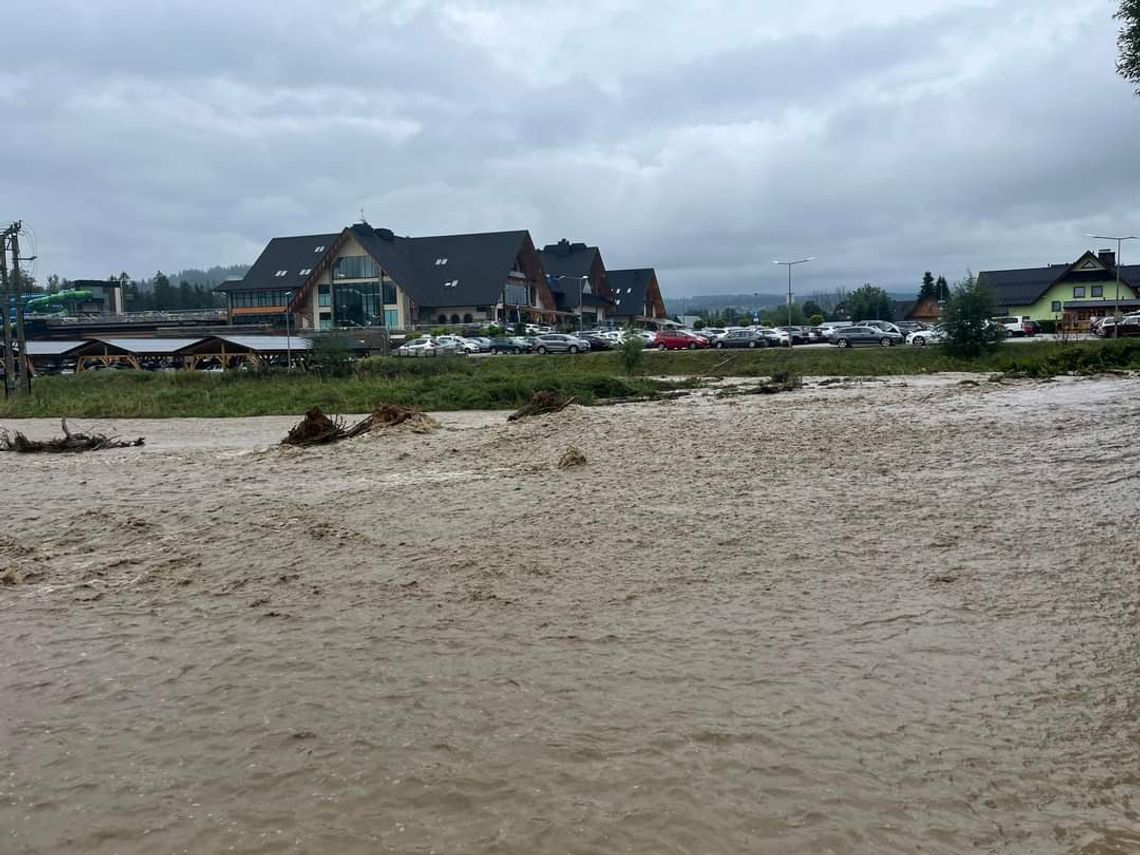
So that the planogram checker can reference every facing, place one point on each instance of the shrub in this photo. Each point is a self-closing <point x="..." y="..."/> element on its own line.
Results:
<point x="966" y="319"/>
<point x="815" y="320"/>
<point x="632" y="352"/>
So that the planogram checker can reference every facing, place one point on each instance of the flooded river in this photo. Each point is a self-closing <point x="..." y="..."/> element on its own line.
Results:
<point x="886" y="617"/>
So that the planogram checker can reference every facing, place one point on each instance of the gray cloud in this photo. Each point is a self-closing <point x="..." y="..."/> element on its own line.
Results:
<point x="933" y="134"/>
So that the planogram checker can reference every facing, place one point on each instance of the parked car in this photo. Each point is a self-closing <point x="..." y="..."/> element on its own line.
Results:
<point x="509" y="344"/>
<point x="744" y="338"/>
<point x="1015" y="327"/>
<point x="778" y="337"/>
<point x="598" y="342"/>
<point x="1129" y="326"/>
<point x="456" y="344"/>
<point x="417" y="347"/>
<point x="677" y="340"/>
<point x="852" y="336"/>
<point x="798" y="335"/>
<point x="908" y="327"/>
<point x="885" y="326"/>
<point x="561" y="343"/>
<point x="921" y="338"/>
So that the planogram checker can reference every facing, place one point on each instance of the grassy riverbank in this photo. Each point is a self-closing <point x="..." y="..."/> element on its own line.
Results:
<point x="506" y="382"/>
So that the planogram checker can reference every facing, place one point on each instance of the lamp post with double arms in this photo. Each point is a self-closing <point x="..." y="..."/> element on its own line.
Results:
<point x="1120" y="239"/>
<point x="790" y="265"/>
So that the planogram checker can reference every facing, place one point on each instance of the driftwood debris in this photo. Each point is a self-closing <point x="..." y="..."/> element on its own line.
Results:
<point x="69" y="443"/>
<point x="573" y="457"/>
<point x="318" y="429"/>
<point x="541" y="403"/>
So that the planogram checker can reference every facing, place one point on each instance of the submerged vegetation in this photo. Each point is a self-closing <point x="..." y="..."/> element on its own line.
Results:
<point x="507" y="383"/>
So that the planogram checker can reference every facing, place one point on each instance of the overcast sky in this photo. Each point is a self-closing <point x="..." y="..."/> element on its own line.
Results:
<point x="886" y="137"/>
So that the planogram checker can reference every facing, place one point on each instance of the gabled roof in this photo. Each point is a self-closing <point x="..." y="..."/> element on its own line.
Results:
<point x="568" y="259"/>
<point x="1025" y="286"/>
<point x="902" y="308"/>
<point x="631" y="289"/>
<point x="297" y="256"/>
<point x="447" y="270"/>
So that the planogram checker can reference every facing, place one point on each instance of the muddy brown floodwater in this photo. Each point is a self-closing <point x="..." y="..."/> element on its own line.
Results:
<point x="882" y="617"/>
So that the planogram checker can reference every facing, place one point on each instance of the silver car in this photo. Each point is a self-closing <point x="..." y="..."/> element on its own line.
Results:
<point x="560" y="343"/>
<point x="853" y="336"/>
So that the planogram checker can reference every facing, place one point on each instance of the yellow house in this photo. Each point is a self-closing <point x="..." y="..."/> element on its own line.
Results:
<point x="1092" y="286"/>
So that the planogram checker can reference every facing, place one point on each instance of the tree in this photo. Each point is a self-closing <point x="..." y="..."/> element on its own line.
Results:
<point x="870" y="303"/>
<point x="777" y="316"/>
<point x="699" y="324"/>
<point x="941" y="289"/>
<point x="966" y="319"/>
<point x="1128" y="42"/>
<point x="811" y="308"/>
<point x="927" y="289"/>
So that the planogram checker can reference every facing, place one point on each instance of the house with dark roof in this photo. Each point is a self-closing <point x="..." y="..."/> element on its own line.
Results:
<point x="637" y="296"/>
<point x="578" y="280"/>
<point x="1074" y="292"/>
<point x="926" y="310"/>
<point x="366" y="277"/>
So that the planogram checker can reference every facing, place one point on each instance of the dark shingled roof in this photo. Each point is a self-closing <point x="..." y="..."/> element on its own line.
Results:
<point x="1027" y="285"/>
<point x="1020" y="287"/>
<point x="480" y="263"/>
<point x="568" y="259"/>
<point x="902" y="308"/>
<point x="297" y="256"/>
<point x="630" y="289"/>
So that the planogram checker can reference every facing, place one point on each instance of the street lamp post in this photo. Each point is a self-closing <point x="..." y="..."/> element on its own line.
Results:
<point x="1119" y="245"/>
<point x="582" y="280"/>
<point x="790" y="265"/>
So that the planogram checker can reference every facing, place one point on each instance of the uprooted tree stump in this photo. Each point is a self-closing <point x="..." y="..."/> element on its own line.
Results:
<point x="69" y="443"/>
<point x="318" y="429"/>
<point x="541" y="403"/>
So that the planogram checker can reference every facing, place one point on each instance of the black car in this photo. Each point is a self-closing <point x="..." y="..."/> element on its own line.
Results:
<point x="509" y="344"/>
<point x="596" y="341"/>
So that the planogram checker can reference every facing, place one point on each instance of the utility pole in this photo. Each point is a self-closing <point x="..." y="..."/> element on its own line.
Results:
<point x="18" y="287"/>
<point x="9" y="360"/>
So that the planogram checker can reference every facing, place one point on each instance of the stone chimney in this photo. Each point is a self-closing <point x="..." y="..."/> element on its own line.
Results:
<point x="1107" y="257"/>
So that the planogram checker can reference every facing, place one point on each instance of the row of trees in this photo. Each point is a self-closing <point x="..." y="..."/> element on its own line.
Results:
<point x="165" y="296"/>
<point x="865" y="302"/>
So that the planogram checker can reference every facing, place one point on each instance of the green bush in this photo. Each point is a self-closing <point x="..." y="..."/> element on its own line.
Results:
<point x="632" y="352"/>
<point x="966" y="319"/>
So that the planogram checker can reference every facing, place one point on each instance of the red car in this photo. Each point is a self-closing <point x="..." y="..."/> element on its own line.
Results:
<point x="670" y="340"/>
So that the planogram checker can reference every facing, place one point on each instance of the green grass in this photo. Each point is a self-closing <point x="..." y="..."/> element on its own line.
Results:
<point x="508" y="382"/>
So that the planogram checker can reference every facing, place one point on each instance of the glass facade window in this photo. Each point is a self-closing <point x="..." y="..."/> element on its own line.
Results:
<point x="325" y="296"/>
<point x="1098" y="290"/>
<point x="517" y="295"/>
<point x="355" y="267"/>
<point x="357" y="305"/>
<point x="258" y="299"/>
<point x="389" y="291"/>
<point x="392" y="318"/>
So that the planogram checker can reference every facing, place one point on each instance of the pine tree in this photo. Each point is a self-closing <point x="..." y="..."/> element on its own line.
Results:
<point x="927" y="289"/>
<point x="942" y="289"/>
